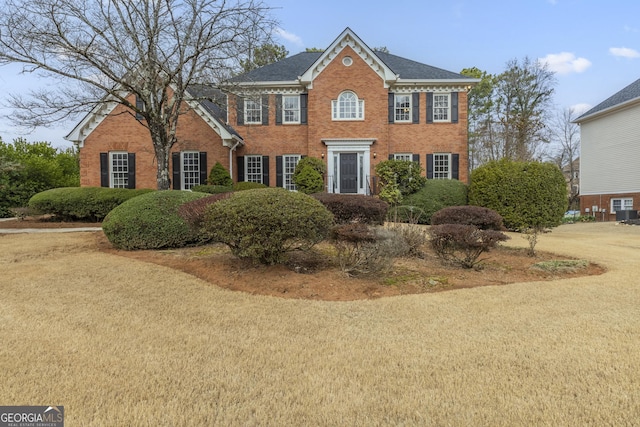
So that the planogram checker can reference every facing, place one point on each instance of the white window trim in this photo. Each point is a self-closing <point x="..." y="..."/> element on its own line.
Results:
<point x="402" y="156"/>
<point x="258" y="102"/>
<point x="246" y="167"/>
<point x="183" y="179"/>
<point x="284" y="171"/>
<point x="111" y="171"/>
<point x="395" y="108"/>
<point x="433" y="107"/>
<point x="449" y="166"/>
<point x="335" y="108"/>
<point x="284" y="110"/>
<point x="623" y="201"/>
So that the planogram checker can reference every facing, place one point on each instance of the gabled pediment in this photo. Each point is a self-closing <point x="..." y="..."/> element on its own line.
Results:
<point x="350" y="39"/>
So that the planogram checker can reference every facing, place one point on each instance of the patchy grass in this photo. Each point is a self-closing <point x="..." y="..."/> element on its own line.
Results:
<point x="562" y="265"/>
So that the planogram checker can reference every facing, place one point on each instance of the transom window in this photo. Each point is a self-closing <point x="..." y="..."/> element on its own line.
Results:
<point x="253" y="169"/>
<point x="403" y="156"/>
<point x="348" y="107"/>
<point x="442" y="166"/>
<point x="252" y="111"/>
<point x="291" y="109"/>
<point x="441" y="107"/>
<point x="190" y="169"/>
<point x="621" y="205"/>
<point x="289" y="166"/>
<point x="403" y="108"/>
<point x="119" y="169"/>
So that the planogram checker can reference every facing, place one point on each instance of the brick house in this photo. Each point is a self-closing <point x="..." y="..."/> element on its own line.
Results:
<point x="349" y="105"/>
<point x="609" y="155"/>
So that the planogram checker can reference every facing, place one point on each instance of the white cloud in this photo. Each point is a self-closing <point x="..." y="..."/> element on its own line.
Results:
<point x="290" y="37"/>
<point x="579" y="109"/>
<point x="624" y="52"/>
<point x="565" y="63"/>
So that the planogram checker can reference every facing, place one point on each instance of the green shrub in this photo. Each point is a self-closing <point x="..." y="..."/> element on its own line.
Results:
<point x="308" y="181"/>
<point x="463" y="244"/>
<point x="399" y="175"/>
<point x="82" y="203"/>
<point x="219" y="176"/>
<point x="348" y="208"/>
<point x="528" y="195"/>
<point x="433" y="196"/>
<point x="212" y="189"/>
<point x="479" y="217"/>
<point x="151" y="221"/>
<point x="246" y="185"/>
<point x="264" y="224"/>
<point x="313" y="162"/>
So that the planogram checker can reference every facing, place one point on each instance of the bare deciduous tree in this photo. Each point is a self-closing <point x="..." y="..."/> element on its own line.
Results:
<point x="105" y="51"/>
<point x="566" y="136"/>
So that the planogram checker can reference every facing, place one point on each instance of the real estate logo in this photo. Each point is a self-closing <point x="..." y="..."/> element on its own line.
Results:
<point x="31" y="416"/>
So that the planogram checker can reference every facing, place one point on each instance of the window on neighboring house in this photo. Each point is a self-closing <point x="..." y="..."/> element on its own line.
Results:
<point x="403" y="108"/>
<point x="190" y="169"/>
<point x="441" y="107"/>
<point x="119" y="169"/>
<point x="442" y="166"/>
<point x="621" y="205"/>
<point x="403" y="156"/>
<point x="347" y="107"/>
<point x="291" y="109"/>
<point x="289" y="163"/>
<point x="252" y="111"/>
<point x="253" y="168"/>
<point x="140" y="106"/>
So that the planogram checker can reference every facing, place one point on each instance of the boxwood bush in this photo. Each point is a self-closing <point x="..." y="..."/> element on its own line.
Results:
<point x="245" y="185"/>
<point x="89" y="204"/>
<point x="212" y="189"/>
<point x="436" y="194"/>
<point x="151" y="221"/>
<point x="264" y="224"/>
<point x="354" y="208"/>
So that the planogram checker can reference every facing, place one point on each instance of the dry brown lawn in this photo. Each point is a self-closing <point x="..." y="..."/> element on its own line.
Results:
<point x="123" y="342"/>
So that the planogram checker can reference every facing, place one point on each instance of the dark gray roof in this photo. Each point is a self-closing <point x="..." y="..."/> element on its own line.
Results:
<point x="289" y="69"/>
<point x="627" y="94"/>
<point x="215" y="102"/>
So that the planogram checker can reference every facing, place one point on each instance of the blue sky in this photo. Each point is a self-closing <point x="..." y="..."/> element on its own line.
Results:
<point x="592" y="45"/>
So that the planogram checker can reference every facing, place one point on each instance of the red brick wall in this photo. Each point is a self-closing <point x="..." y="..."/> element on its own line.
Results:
<point x="121" y="131"/>
<point x="603" y="201"/>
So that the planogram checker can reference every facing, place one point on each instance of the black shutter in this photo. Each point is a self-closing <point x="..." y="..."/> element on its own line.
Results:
<point x="278" y="109"/>
<point x="415" y="108"/>
<point x="265" y="109"/>
<point x="429" y="107"/>
<point x="279" y="167"/>
<point x="203" y="167"/>
<point x="429" y="166"/>
<point x="131" y="170"/>
<point x="240" y="168"/>
<point x="175" y="158"/>
<point x="304" y="98"/>
<point x="390" y="156"/>
<point x="455" y="166"/>
<point x="240" y="109"/>
<point x="140" y="107"/>
<point x="265" y="170"/>
<point x="392" y="107"/>
<point x="416" y="158"/>
<point x="454" y="107"/>
<point x="104" y="169"/>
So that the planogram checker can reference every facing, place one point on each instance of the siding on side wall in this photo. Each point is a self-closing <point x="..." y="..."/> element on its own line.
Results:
<point x="610" y="153"/>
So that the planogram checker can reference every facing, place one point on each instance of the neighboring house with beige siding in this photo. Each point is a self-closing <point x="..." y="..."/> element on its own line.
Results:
<point x="610" y="154"/>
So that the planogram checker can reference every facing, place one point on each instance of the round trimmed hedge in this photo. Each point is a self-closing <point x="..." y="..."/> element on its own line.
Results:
<point x="436" y="194"/>
<point x="151" y="221"/>
<point x="264" y="224"/>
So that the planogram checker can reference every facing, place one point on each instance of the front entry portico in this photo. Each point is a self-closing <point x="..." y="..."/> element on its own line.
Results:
<point x="348" y="165"/>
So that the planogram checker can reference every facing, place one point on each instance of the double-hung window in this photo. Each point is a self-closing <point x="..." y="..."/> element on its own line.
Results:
<point x="190" y="169"/>
<point x="252" y="111"/>
<point x="403" y="108"/>
<point x="291" y="109"/>
<point x="289" y="163"/>
<point x="442" y="166"/>
<point x="441" y="107"/>
<point x="403" y="156"/>
<point x="621" y="205"/>
<point x="119" y="169"/>
<point x="347" y="107"/>
<point x="253" y="168"/>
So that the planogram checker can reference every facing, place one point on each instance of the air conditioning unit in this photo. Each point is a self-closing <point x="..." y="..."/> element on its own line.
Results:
<point x="626" y="215"/>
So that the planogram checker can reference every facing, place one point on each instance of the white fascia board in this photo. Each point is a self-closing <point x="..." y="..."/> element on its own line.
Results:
<point x="607" y="111"/>
<point x="91" y="120"/>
